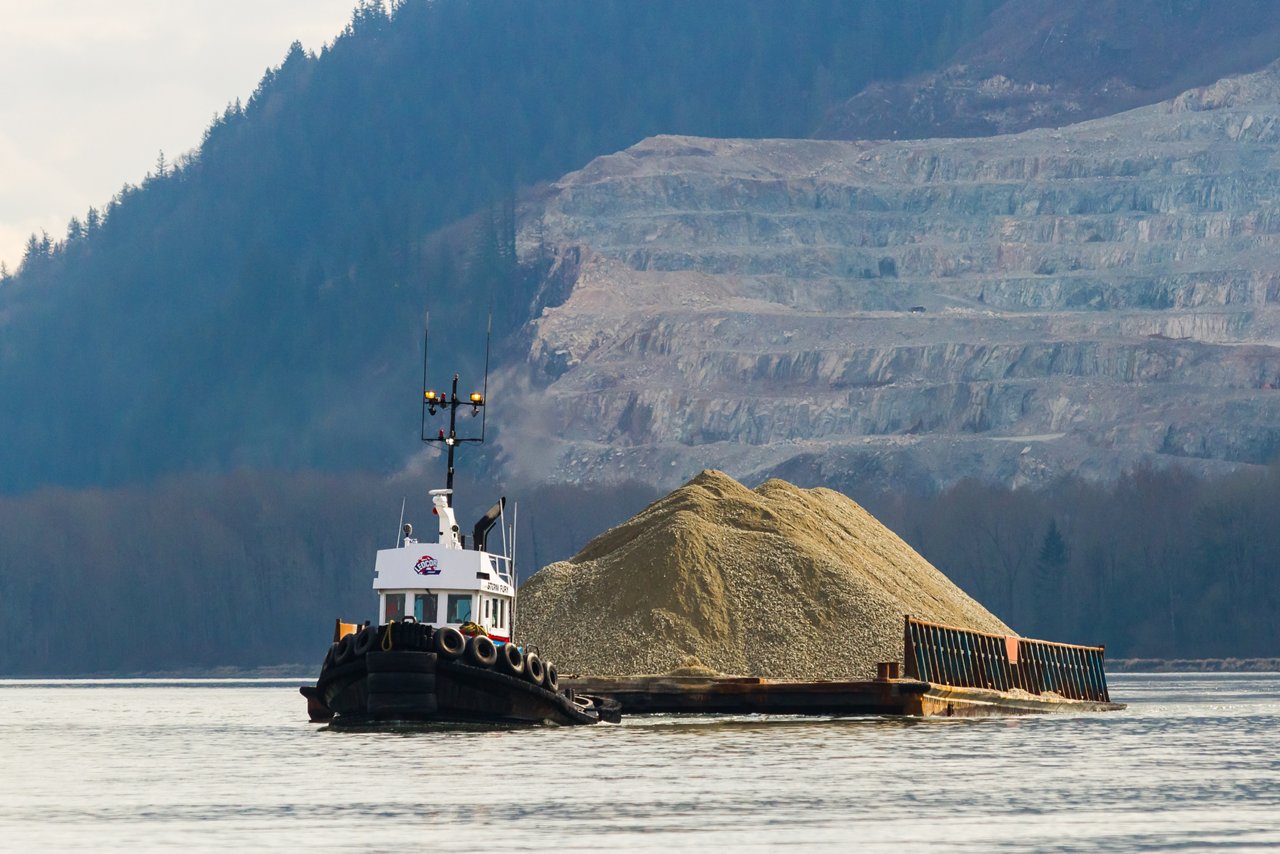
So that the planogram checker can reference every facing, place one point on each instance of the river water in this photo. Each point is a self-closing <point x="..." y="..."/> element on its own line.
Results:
<point x="1192" y="764"/>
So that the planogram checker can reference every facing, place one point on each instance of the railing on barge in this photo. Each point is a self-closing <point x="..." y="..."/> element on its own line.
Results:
<point x="946" y="655"/>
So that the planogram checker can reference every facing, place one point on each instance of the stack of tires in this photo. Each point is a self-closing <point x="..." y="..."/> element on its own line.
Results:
<point x="401" y="684"/>
<point x="408" y="634"/>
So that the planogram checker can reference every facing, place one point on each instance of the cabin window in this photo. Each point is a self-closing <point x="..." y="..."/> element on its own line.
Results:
<point x="487" y="603"/>
<point x="502" y="613"/>
<point x="395" y="607"/>
<point x="459" y="608"/>
<point x="425" y="607"/>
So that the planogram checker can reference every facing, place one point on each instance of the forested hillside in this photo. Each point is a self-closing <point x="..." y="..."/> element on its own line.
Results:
<point x="258" y="302"/>
<point x="1158" y="564"/>
<point x="241" y="570"/>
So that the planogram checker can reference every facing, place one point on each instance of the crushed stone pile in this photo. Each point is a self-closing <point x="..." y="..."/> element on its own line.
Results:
<point x="778" y="581"/>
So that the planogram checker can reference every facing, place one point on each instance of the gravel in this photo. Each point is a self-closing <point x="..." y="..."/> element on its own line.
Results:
<point x="778" y="581"/>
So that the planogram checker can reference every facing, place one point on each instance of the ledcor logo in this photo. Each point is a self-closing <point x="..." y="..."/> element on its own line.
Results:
<point x="427" y="565"/>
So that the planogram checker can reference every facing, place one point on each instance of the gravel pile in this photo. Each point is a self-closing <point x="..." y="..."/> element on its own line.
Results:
<point x="780" y="581"/>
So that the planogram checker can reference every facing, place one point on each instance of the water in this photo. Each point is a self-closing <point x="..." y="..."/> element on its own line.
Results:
<point x="1192" y="765"/>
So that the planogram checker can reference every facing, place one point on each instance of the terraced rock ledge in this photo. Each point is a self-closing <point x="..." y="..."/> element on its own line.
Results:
<point x="913" y="312"/>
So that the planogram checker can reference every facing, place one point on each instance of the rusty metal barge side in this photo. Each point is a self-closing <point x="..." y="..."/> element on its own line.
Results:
<point x="961" y="658"/>
<point x="951" y="672"/>
<point x="737" y="695"/>
<point x="740" y="695"/>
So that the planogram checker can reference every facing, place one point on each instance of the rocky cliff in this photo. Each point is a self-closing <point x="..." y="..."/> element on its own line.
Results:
<point x="913" y="311"/>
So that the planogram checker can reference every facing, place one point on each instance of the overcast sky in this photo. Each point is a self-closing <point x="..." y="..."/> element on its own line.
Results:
<point x="93" y="90"/>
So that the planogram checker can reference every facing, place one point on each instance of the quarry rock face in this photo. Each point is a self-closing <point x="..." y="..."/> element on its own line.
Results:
<point x="913" y="312"/>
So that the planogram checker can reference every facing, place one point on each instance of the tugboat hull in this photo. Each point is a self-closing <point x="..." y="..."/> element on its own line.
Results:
<point x="419" y="686"/>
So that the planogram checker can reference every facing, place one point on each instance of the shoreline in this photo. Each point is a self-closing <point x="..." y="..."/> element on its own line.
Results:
<point x="307" y="672"/>
<point x="268" y="671"/>
<point x="1193" y="665"/>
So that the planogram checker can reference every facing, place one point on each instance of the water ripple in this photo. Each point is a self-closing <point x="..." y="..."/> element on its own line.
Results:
<point x="1189" y="766"/>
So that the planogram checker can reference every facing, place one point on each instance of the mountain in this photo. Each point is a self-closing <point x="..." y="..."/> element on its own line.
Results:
<point x="258" y="302"/>
<point x="914" y="312"/>
<point x="1049" y="63"/>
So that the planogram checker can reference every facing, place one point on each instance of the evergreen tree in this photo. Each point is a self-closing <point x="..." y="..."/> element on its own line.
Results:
<point x="31" y="253"/>
<point x="1048" y="588"/>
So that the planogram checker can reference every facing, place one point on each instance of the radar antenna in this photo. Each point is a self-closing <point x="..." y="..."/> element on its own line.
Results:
<point x="433" y="401"/>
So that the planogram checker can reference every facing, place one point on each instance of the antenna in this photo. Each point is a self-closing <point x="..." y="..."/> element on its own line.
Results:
<point x="488" y="336"/>
<point x="502" y="523"/>
<point x="515" y="577"/>
<point x="426" y="333"/>
<point x="401" y="528"/>
<point x="433" y="400"/>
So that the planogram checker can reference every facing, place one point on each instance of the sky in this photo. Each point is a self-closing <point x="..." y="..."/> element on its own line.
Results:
<point x="93" y="90"/>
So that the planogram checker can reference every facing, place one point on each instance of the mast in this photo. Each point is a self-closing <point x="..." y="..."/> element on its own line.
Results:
<point x="452" y="441"/>
<point x="433" y="400"/>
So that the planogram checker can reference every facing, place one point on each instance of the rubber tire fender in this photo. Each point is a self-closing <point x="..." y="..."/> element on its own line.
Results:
<point x="366" y="639"/>
<point x="511" y="659"/>
<point x="449" y="643"/>
<point x="481" y="652"/>
<point x="533" y="669"/>
<point x="551" y="678"/>
<point x="345" y="651"/>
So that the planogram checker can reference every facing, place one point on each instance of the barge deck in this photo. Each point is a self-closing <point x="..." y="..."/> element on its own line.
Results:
<point x="745" y="695"/>
<point x="951" y="672"/>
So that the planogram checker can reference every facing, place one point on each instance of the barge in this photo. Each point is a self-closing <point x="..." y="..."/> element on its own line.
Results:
<point x="950" y="672"/>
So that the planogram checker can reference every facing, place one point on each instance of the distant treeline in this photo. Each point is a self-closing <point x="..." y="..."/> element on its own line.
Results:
<point x="1160" y="564"/>
<point x="242" y="570"/>
<point x="251" y="569"/>
<point x="258" y="301"/>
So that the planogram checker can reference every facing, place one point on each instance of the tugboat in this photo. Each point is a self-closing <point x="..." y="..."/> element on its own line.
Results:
<point x="442" y="649"/>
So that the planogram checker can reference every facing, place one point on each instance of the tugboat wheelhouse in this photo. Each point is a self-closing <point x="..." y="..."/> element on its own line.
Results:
<point x="444" y="583"/>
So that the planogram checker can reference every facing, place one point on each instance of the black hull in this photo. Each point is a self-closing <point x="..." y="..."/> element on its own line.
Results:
<point x="424" y="687"/>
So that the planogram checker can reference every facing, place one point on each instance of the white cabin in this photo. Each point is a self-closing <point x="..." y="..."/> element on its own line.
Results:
<point x="443" y="583"/>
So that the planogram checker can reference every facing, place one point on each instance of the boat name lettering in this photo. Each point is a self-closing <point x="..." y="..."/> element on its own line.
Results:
<point x="427" y="565"/>
<point x="495" y="588"/>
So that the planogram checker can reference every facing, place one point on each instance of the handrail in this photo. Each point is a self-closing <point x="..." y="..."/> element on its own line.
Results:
<point x="950" y="655"/>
